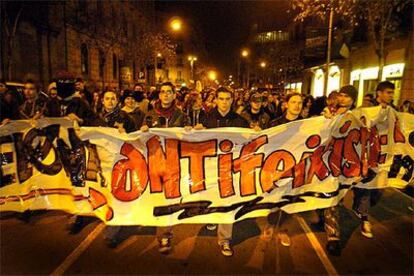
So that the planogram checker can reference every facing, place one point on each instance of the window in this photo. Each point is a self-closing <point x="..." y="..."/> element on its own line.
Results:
<point x="101" y="64"/>
<point x="114" y="67"/>
<point x="99" y="8"/>
<point x="84" y="59"/>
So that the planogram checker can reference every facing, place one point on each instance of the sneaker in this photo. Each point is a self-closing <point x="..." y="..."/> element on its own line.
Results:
<point x="77" y="226"/>
<point x="211" y="227"/>
<point x="284" y="238"/>
<point x="334" y="248"/>
<point x="25" y="216"/>
<point x="165" y="246"/>
<point x="112" y="243"/>
<point x="366" y="229"/>
<point x="226" y="249"/>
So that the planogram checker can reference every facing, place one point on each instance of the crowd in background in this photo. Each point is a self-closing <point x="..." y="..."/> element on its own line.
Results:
<point x="133" y="104"/>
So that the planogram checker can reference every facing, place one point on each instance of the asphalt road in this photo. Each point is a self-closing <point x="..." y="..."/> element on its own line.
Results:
<point x="43" y="246"/>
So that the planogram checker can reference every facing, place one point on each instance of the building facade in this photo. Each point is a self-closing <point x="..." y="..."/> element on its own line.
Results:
<point x="93" y="39"/>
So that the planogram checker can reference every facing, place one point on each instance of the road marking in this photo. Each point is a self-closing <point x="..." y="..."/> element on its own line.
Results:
<point x="317" y="246"/>
<point x="402" y="193"/>
<point x="78" y="250"/>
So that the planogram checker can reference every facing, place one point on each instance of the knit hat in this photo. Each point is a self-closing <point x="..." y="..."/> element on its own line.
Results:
<point x="130" y="93"/>
<point x="350" y="91"/>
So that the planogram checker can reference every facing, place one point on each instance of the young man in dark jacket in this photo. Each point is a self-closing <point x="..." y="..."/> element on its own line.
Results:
<point x="364" y="198"/>
<point x="294" y="104"/>
<point x="165" y="114"/>
<point x="255" y="113"/>
<point x="224" y="116"/>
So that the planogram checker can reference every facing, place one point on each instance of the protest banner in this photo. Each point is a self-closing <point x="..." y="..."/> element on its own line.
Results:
<point x="171" y="176"/>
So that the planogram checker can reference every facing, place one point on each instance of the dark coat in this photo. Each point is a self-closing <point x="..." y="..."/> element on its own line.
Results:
<point x="232" y="119"/>
<point x="170" y="117"/>
<point x="282" y="120"/>
<point x="262" y="118"/>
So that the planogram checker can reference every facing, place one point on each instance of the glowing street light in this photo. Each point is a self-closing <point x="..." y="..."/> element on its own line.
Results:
<point x="245" y="53"/>
<point x="159" y="55"/>
<point x="176" y="24"/>
<point x="212" y="75"/>
<point x="192" y="59"/>
<point x="263" y="64"/>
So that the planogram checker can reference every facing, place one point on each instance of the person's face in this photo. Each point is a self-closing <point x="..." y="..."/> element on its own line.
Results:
<point x="256" y="105"/>
<point x="79" y="86"/>
<point x="53" y="92"/>
<point x="386" y="95"/>
<point x="95" y="96"/>
<point x="138" y="88"/>
<point x="294" y="105"/>
<point x="366" y="102"/>
<point x="224" y="101"/>
<point x="344" y="100"/>
<point x="167" y="95"/>
<point x="109" y="101"/>
<point x="130" y="102"/>
<point x="30" y="90"/>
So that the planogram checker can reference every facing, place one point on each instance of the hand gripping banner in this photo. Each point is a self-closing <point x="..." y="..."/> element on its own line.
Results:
<point x="171" y="176"/>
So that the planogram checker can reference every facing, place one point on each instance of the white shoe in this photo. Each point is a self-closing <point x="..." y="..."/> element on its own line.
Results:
<point x="366" y="229"/>
<point x="284" y="238"/>
<point x="211" y="227"/>
<point x="226" y="249"/>
<point x="165" y="246"/>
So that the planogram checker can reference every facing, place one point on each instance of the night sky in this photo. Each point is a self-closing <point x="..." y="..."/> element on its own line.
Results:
<point x="225" y="25"/>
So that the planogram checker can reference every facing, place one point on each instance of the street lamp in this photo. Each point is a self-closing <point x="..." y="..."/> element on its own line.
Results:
<point x="176" y="24"/>
<point x="192" y="59"/>
<point x="212" y="75"/>
<point x="263" y="65"/>
<point x="244" y="54"/>
<point x="158" y="55"/>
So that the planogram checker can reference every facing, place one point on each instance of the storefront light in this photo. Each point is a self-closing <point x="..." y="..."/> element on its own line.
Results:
<point x="370" y="73"/>
<point x="393" y="71"/>
<point x="318" y="83"/>
<point x="355" y="76"/>
<point x="334" y="79"/>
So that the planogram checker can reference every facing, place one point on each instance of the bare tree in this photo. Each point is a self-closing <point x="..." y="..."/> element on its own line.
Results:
<point x="381" y="17"/>
<point x="11" y="15"/>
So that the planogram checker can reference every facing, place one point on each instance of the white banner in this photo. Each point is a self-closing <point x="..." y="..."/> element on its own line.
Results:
<point x="172" y="176"/>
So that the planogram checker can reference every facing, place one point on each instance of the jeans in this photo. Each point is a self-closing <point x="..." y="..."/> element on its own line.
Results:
<point x="224" y="233"/>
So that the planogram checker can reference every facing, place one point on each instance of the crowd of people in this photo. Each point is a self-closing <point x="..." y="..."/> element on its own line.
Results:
<point x="141" y="109"/>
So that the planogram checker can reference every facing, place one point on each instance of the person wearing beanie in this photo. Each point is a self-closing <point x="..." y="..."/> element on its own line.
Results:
<point x="131" y="109"/>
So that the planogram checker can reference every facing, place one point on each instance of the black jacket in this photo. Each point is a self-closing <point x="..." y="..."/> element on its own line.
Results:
<point x="282" y="120"/>
<point x="262" y="118"/>
<point x="232" y="119"/>
<point x="80" y="108"/>
<point x="171" y="117"/>
<point x="136" y="119"/>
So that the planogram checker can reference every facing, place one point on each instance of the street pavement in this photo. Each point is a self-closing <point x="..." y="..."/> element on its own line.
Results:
<point x="43" y="246"/>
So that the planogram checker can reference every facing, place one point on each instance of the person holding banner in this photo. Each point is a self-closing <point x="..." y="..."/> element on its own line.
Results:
<point x="346" y="99"/>
<point x="255" y="113"/>
<point x="365" y="198"/>
<point x="224" y="116"/>
<point x="294" y="105"/>
<point x="112" y="116"/>
<point x="165" y="114"/>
